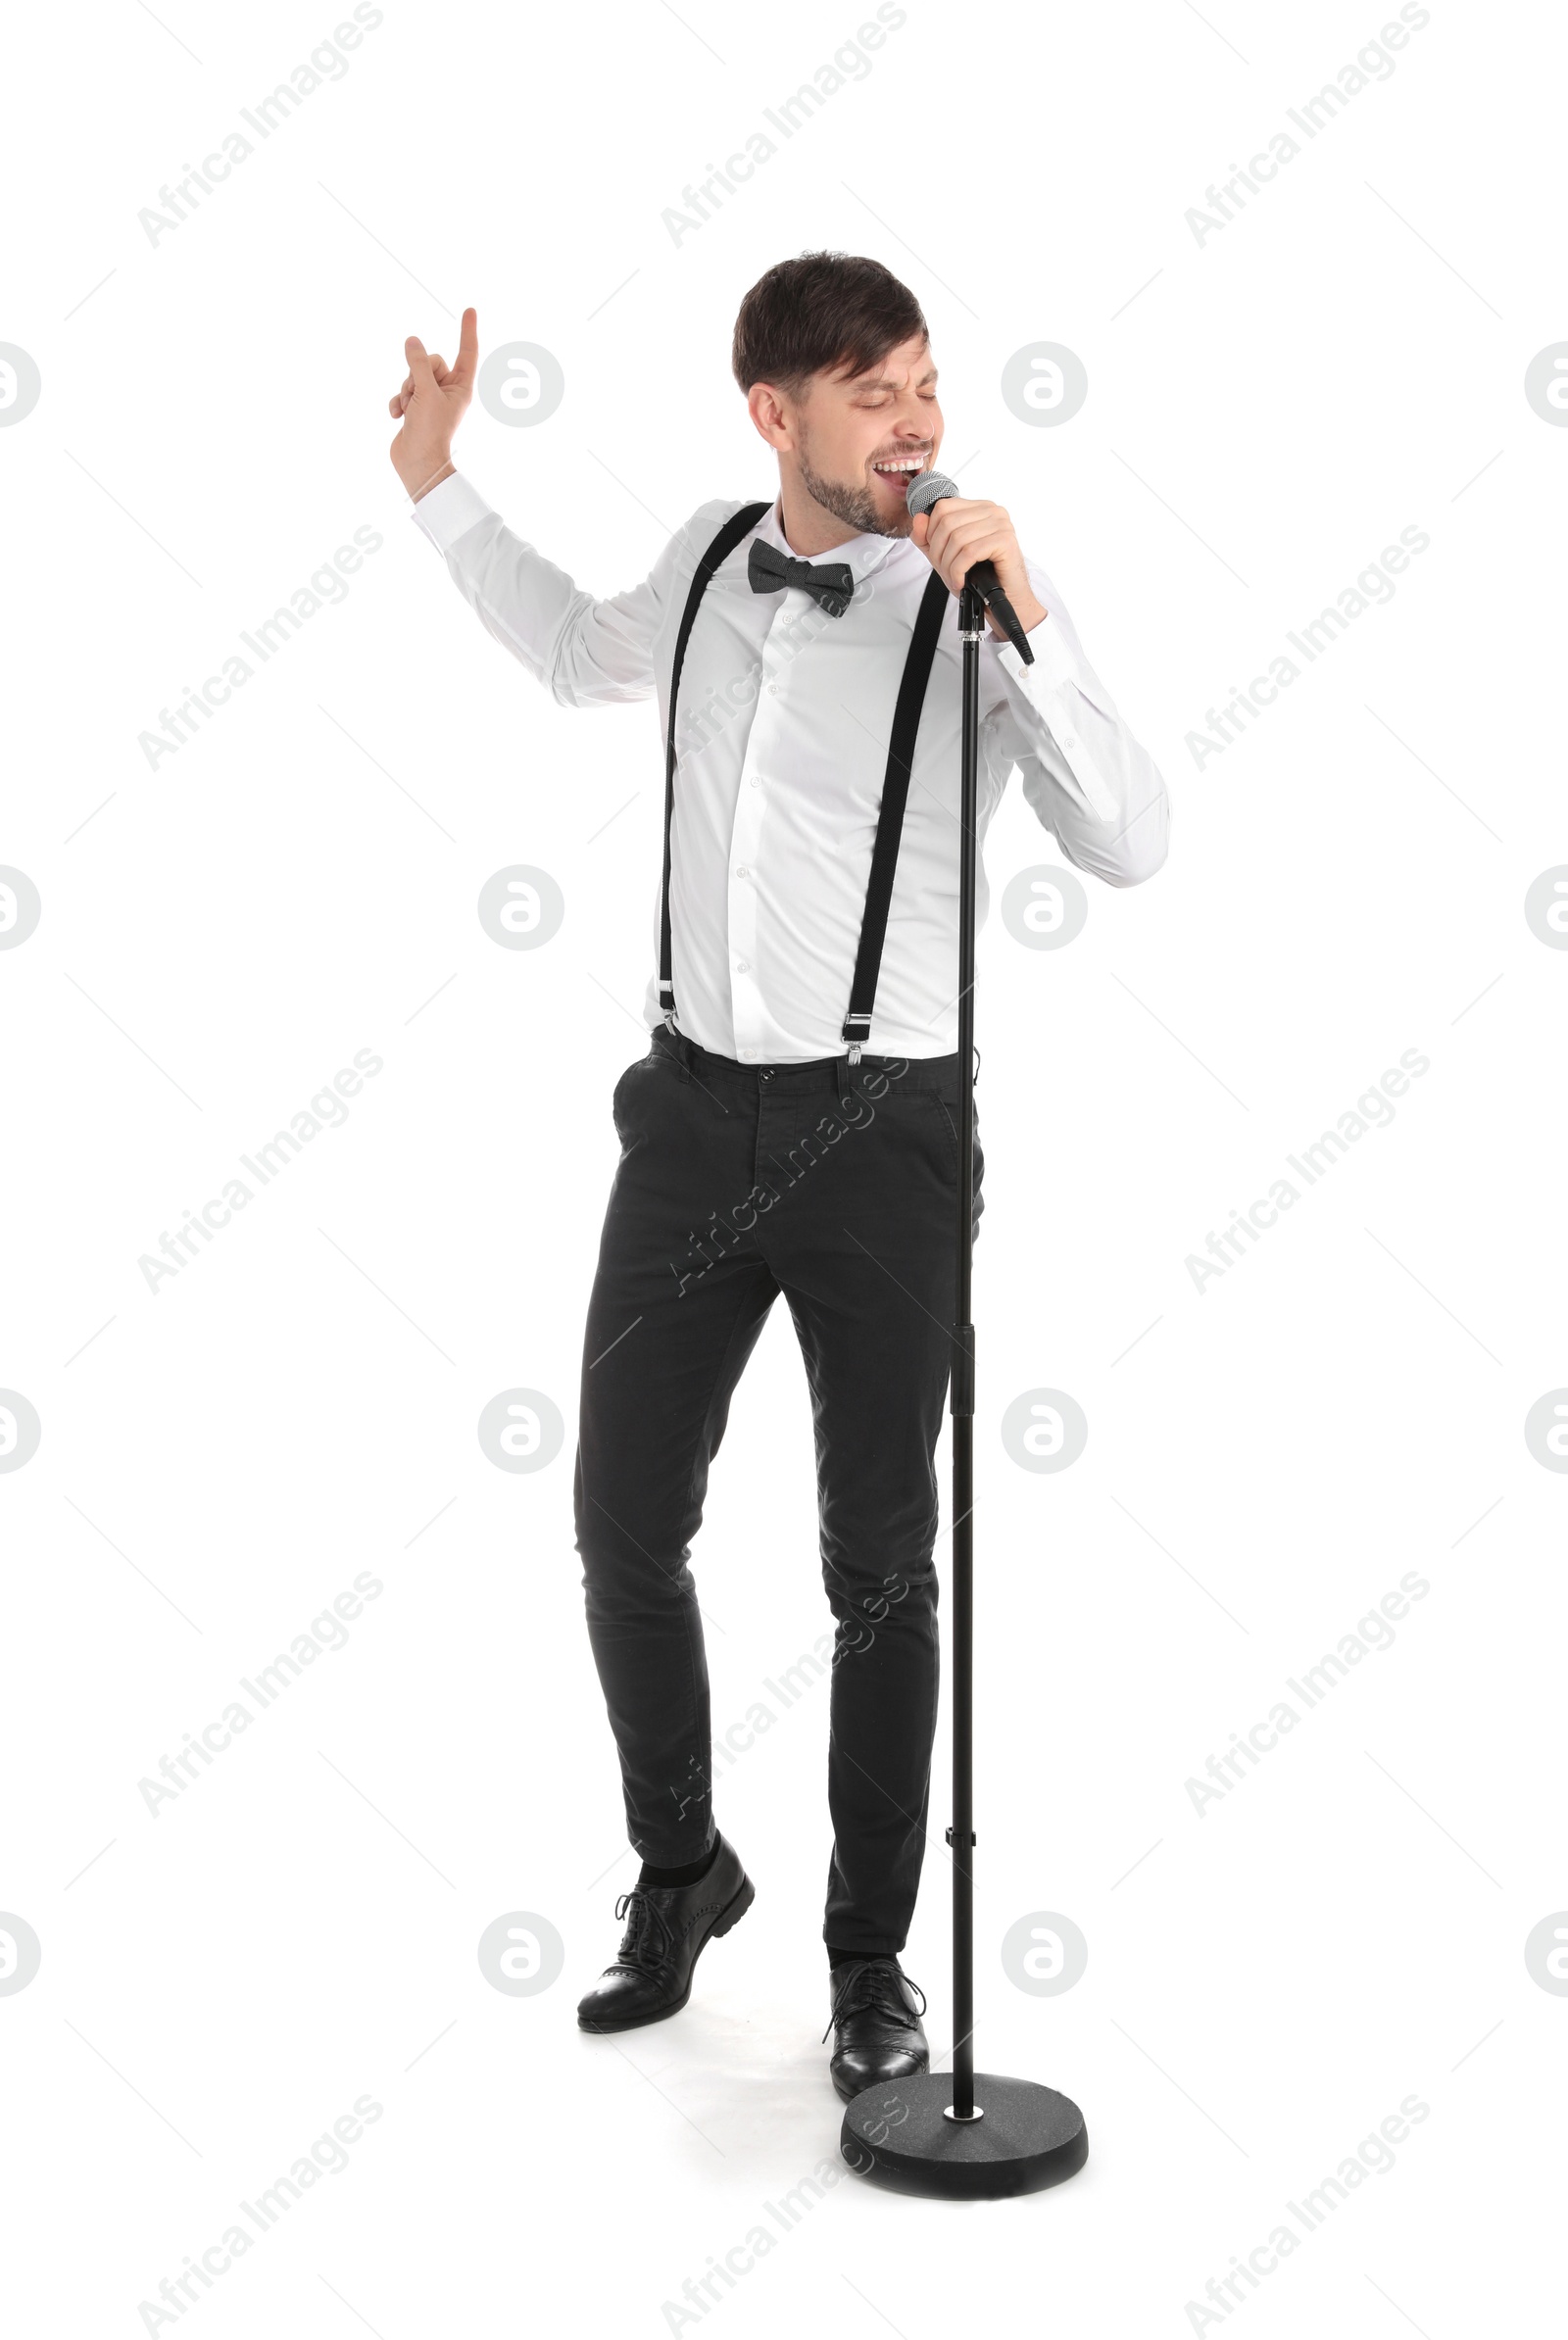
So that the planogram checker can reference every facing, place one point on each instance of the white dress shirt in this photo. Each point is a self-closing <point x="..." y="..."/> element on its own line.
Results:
<point x="782" y="735"/>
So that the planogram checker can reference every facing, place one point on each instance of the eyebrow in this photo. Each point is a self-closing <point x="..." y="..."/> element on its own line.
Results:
<point x="882" y="382"/>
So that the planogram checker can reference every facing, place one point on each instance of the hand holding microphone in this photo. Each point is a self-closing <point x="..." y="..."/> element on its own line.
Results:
<point x="970" y="541"/>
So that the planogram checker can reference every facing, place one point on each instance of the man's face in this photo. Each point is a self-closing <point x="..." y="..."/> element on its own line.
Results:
<point x="844" y="430"/>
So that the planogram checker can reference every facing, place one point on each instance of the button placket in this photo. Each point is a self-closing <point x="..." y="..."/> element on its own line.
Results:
<point x="741" y="908"/>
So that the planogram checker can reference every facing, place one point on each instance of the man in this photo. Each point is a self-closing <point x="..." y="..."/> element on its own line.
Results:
<point x="792" y="1127"/>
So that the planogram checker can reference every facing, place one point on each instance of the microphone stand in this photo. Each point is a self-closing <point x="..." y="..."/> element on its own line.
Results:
<point x="963" y="2135"/>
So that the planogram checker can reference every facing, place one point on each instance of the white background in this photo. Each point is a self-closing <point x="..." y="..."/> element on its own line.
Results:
<point x="1267" y="409"/>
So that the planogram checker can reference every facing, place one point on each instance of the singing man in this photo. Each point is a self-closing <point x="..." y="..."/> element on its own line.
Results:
<point x="792" y="1126"/>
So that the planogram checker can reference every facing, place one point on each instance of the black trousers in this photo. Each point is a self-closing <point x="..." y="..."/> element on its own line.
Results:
<point x="736" y="1183"/>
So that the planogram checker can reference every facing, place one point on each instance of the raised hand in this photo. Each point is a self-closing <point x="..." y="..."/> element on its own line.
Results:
<point x="431" y="404"/>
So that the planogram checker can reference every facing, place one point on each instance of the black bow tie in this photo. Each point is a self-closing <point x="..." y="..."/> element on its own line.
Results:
<point x="830" y="583"/>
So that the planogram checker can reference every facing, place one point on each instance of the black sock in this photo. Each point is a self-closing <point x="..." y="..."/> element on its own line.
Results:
<point x="839" y="1958"/>
<point x="680" y="1876"/>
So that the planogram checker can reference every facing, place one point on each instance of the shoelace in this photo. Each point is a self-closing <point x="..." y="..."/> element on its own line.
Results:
<point x="878" y="1987"/>
<point x="647" y="1939"/>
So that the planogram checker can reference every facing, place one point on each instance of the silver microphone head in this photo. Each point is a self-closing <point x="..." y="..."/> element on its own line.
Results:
<point x="928" y="488"/>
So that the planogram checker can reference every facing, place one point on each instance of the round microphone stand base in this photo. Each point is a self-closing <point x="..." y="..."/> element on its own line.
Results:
<point x="902" y="2135"/>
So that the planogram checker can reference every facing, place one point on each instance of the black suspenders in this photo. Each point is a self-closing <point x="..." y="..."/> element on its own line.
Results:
<point x="857" y="1026"/>
<point x="739" y="524"/>
<point x="889" y="820"/>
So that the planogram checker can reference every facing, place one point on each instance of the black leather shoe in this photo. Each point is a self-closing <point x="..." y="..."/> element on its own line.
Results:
<point x="666" y="1927"/>
<point x="875" y="2026"/>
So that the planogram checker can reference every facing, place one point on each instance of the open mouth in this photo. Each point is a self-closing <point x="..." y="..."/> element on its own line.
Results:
<point x="898" y="472"/>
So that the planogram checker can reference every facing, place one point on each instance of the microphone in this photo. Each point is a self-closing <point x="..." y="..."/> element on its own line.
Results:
<point x="929" y="488"/>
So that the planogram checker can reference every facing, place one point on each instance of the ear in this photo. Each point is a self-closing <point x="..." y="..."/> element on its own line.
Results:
<point x="769" y="414"/>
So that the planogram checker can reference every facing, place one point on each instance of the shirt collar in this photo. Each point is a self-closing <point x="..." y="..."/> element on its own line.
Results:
<point x="865" y="553"/>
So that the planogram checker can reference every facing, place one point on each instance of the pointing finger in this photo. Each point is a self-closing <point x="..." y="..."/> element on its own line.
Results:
<point x="467" y="348"/>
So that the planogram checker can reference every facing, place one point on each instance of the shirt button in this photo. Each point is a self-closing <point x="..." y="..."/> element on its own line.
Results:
<point x="743" y="966"/>
<point x="743" y="872"/>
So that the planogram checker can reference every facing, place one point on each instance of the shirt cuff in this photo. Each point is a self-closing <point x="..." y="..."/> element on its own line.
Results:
<point x="1053" y="665"/>
<point x="450" y="511"/>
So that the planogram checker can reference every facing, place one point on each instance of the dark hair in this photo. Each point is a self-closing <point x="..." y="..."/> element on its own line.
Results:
<point x="824" y="310"/>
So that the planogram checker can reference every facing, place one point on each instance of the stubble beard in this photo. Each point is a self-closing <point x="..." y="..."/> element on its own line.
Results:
<point x="856" y="507"/>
